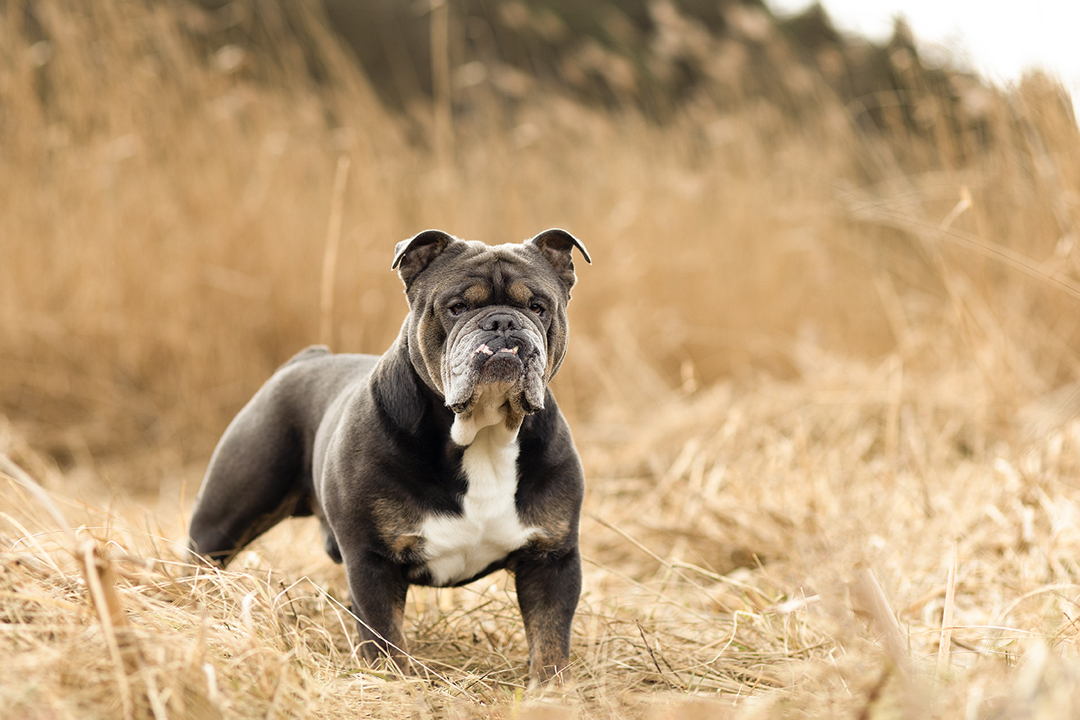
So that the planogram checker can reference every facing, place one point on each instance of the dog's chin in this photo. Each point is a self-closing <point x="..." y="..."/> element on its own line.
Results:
<point x="502" y="368"/>
<point x="501" y="381"/>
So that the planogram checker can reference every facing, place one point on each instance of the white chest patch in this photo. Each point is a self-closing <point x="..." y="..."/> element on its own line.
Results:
<point x="459" y="547"/>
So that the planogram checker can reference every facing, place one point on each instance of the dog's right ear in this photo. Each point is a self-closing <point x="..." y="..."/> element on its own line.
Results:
<point x="413" y="255"/>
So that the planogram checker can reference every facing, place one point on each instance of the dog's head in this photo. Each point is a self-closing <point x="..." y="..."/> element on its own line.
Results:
<point x="487" y="324"/>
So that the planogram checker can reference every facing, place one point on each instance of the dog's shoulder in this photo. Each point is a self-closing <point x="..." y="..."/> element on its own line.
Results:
<point x="396" y="392"/>
<point x="545" y="436"/>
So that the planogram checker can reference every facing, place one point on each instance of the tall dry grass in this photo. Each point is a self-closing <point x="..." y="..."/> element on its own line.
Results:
<point x="812" y="355"/>
<point x="166" y="206"/>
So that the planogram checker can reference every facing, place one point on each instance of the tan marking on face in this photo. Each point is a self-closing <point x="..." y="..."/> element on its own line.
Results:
<point x="555" y="349"/>
<point x="431" y="342"/>
<point x="519" y="292"/>
<point x="477" y="294"/>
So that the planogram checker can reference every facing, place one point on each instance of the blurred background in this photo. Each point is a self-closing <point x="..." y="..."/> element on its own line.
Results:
<point x="189" y="190"/>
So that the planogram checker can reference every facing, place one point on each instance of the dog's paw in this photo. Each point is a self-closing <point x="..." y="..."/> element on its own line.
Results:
<point x="552" y="683"/>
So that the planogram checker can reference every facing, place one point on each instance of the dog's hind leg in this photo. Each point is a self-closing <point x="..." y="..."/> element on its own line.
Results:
<point x="255" y="480"/>
<point x="330" y="543"/>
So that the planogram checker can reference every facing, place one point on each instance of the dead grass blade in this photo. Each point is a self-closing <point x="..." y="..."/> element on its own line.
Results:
<point x="330" y="256"/>
<point x="944" y="660"/>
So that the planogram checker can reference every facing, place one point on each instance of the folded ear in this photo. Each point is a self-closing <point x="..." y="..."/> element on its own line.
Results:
<point x="413" y="255"/>
<point x="556" y="246"/>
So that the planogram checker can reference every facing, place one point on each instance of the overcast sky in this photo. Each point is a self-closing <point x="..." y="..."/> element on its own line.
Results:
<point x="1001" y="39"/>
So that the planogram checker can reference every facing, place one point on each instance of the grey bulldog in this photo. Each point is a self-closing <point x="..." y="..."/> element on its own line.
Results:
<point x="437" y="463"/>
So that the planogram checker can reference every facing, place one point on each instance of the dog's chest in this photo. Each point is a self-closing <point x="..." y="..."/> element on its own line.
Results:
<point x="459" y="547"/>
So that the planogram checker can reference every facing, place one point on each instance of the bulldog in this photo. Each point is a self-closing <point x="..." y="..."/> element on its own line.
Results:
<point x="437" y="463"/>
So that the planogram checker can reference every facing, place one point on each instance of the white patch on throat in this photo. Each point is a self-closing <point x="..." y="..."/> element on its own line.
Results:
<point x="489" y="411"/>
<point x="459" y="547"/>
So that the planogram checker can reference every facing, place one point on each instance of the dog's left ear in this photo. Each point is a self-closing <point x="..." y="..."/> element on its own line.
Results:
<point x="412" y="256"/>
<point x="556" y="246"/>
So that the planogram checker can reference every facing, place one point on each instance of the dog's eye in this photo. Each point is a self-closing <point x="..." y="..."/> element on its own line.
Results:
<point x="458" y="308"/>
<point x="537" y="308"/>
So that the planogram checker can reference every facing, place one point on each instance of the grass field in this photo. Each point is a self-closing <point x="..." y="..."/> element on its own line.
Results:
<point x="823" y="378"/>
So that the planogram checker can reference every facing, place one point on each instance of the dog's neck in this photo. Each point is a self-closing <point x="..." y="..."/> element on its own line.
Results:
<point x="492" y="410"/>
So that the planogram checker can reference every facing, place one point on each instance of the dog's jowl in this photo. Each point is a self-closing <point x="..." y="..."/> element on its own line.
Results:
<point x="435" y="464"/>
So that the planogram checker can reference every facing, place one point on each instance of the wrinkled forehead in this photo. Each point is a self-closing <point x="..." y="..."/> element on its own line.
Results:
<point x="515" y="255"/>
<point x="511" y="270"/>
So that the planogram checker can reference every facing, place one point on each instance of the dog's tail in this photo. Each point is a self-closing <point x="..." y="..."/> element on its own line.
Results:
<point x="309" y="353"/>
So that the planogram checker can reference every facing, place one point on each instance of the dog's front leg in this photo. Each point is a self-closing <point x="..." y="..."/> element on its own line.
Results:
<point x="548" y="588"/>
<point x="378" y="589"/>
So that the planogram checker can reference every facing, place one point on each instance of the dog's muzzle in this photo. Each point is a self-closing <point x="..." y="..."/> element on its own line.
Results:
<point x="499" y="352"/>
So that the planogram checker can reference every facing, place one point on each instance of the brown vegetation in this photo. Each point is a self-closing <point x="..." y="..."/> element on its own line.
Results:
<point x="822" y="372"/>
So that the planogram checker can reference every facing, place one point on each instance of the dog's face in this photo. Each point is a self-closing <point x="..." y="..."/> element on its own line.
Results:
<point x="487" y="324"/>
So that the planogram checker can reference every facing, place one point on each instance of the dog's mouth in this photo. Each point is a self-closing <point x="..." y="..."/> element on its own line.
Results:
<point x="502" y="365"/>
<point x="485" y="350"/>
<point x="500" y="369"/>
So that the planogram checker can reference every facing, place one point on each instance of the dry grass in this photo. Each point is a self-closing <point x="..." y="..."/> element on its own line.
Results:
<point x="822" y="380"/>
<point x="728" y="545"/>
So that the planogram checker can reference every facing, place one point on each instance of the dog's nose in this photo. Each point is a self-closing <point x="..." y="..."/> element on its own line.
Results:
<point x="500" y="322"/>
